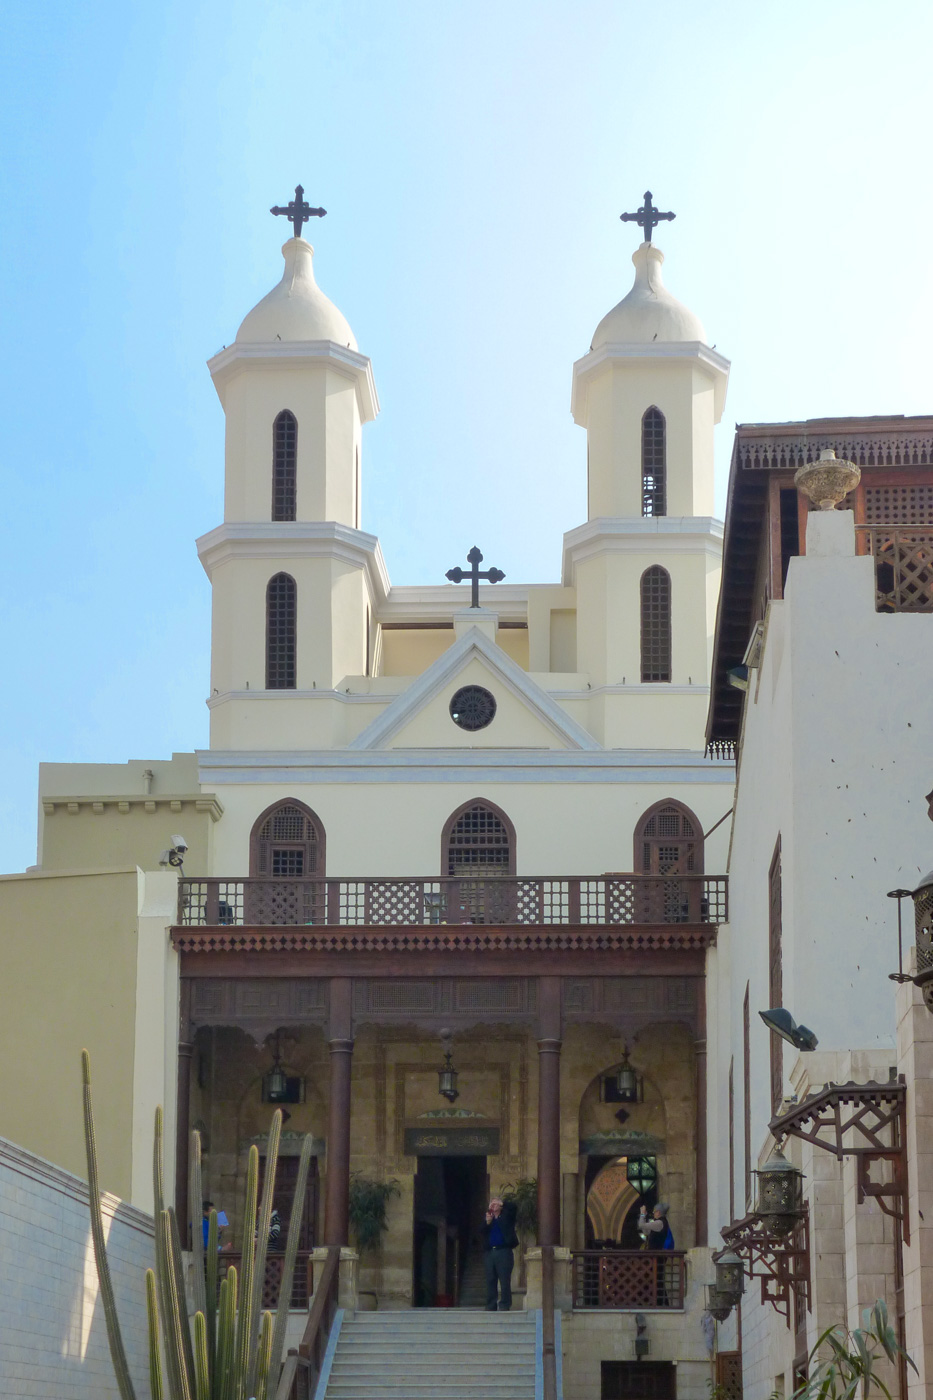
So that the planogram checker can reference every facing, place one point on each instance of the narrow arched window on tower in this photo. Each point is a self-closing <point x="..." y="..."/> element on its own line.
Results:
<point x="655" y="624"/>
<point x="284" y="460"/>
<point x="653" y="463"/>
<point x="281" y="608"/>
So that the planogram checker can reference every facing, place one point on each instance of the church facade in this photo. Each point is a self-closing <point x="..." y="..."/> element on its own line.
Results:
<point x="451" y="884"/>
<point x="456" y="820"/>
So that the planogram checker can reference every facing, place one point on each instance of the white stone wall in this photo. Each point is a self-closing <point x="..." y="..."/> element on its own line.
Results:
<point x="53" y="1338"/>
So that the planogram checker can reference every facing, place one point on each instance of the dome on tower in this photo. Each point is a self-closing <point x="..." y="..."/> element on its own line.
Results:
<point x="296" y="309"/>
<point x="649" y="312"/>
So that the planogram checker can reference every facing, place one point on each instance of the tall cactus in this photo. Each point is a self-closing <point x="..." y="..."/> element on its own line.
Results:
<point x="114" y="1335"/>
<point x="227" y="1350"/>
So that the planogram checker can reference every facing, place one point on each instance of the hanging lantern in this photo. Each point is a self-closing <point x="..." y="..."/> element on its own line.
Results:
<point x="780" y="1194"/>
<point x="718" y="1305"/>
<point x="447" y="1077"/>
<point x="628" y="1081"/>
<point x="642" y="1173"/>
<point x="275" y="1083"/>
<point x="730" y="1275"/>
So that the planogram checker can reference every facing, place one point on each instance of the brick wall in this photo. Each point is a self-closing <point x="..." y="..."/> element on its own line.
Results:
<point x="53" y="1339"/>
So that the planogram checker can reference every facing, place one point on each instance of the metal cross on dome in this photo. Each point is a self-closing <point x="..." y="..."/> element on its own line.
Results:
<point x="647" y="217"/>
<point x="473" y="575"/>
<point x="298" y="211"/>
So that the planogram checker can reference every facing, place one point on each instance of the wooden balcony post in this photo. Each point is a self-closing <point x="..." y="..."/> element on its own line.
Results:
<point x="549" y="1041"/>
<point x="183" y="1115"/>
<point x="701" y="1158"/>
<point x="337" y="1196"/>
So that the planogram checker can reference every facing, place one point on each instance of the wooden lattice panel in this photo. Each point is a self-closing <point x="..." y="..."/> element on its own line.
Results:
<point x="646" y="1279"/>
<point x="903" y="569"/>
<point x="729" y="1375"/>
<point x="899" y="505"/>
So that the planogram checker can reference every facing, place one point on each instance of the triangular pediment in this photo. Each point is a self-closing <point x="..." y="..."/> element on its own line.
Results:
<point x="526" y="716"/>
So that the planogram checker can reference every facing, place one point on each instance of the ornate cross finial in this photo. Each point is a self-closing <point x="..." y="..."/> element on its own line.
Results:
<point x="648" y="217"/>
<point x="474" y="558"/>
<point x="298" y="211"/>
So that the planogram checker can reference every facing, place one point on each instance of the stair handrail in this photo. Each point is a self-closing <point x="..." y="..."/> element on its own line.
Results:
<point x="548" y="1349"/>
<point x="309" y="1358"/>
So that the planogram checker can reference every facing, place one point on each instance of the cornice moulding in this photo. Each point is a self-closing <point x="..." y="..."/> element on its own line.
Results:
<point x="715" y="366"/>
<point x="301" y="354"/>
<point x="265" y="539"/>
<point x="648" y="767"/>
<point x="125" y="802"/>
<point x="656" y="536"/>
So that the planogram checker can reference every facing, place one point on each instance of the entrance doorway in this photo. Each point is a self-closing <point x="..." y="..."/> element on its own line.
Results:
<point x="449" y="1211"/>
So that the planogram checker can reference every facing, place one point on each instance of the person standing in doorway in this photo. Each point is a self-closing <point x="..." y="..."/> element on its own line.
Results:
<point x="499" y="1243"/>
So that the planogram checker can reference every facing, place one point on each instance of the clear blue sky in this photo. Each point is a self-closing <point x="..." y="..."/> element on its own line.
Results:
<point x="474" y="160"/>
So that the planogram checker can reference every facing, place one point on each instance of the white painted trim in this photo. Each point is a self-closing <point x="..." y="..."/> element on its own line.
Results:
<point x="301" y="354"/>
<point x="266" y="539"/>
<point x="17" y="1159"/>
<point x="649" y="767"/>
<point x="714" y="365"/>
<point x="454" y="660"/>
<point x="629" y="688"/>
<point x="654" y="538"/>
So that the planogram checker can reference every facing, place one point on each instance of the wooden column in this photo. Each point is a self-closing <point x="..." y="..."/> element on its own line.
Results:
<point x="549" y="1038"/>
<point x="701" y="1182"/>
<point x="337" y="1193"/>
<point x="183" y="1115"/>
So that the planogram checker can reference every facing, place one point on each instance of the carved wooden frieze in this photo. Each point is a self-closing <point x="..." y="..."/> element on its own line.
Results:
<point x="632" y="1002"/>
<point x="431" y="1000"/>
<point x="258" y="1002"/>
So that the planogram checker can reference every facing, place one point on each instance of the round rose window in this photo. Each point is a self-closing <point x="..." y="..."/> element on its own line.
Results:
<point x="472" y="707"/>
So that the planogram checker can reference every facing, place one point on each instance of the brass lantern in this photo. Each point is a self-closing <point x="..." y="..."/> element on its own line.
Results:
<point x="780" y="1194"/>
<point x="718" y="1304"/>
<point x="447" y="1075"/>
<point x="628" y="1080"/>
<point x="730" y="1275"/>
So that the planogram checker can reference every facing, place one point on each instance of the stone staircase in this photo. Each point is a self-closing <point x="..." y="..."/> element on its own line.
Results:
<point x="434" y="1354"/>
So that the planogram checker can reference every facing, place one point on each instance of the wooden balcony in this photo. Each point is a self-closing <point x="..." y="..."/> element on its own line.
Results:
<point x="903" y="556"/>
<point x="629" y="1278"/>
<point x="599" y="901"/>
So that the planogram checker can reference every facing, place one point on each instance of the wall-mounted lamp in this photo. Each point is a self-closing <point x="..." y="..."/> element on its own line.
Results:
<point x="780" y="1194"/>
<point x="900" y="975"/>
<point x="781" y="1021"/>
<point x="275" y="1083"/>
<point x="730" y="1275"/>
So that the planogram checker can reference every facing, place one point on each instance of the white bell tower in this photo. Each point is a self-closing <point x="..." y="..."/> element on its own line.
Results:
<point x="291" y="570"/>
<point x="646" y="565"/>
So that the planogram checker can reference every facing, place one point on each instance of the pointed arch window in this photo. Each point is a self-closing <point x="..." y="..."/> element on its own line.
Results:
<point x="653" y="463"/>
<point x="669" y="841"/>
<point x="287" y="842"/>
<point x="656" y="624"/>
<point x="281" y="617"/>
<point x="479" y="840"/>
<point x="284" y="466"/>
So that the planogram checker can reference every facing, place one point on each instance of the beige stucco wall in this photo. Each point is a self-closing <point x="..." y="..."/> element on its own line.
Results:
<point x="69" y="945"/>
<point x="618" y="395"/>
<point x="395" y="828"/>
<point x="98" y="833"/>
<point x="325" y="405"/>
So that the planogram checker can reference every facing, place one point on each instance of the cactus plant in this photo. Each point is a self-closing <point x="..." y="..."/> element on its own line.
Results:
<point x="229" y="1349"/>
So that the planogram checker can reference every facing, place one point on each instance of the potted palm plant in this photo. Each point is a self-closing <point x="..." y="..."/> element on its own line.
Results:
<point x="369" y="1201"/>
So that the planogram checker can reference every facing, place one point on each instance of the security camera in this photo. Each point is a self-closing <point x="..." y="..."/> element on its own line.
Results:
<point x="180" y="844"/>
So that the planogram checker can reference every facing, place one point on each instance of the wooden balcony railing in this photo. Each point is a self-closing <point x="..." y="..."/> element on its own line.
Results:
<point x="903" y="556"/>
<point x="629" y="1278"/>
<point x="302" y="1282"/>
<point x="496" y="900"/>
<point x="302" y="1368"/>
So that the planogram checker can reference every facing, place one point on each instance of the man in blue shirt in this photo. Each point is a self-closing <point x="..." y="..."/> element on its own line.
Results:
<point x="499" y="1242"/>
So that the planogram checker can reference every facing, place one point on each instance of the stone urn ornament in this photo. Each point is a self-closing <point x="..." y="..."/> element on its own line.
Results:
<point x="829" y="480"/>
